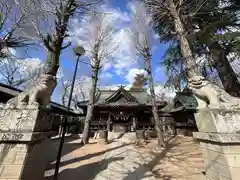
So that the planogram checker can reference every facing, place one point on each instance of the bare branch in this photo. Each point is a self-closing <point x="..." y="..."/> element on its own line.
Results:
<point x="19" y="72"/>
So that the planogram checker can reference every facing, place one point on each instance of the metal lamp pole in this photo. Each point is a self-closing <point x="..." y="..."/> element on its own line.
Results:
<point x="79" y="51"/>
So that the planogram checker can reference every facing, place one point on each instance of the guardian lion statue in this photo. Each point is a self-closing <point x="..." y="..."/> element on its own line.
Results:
<point x="209" y="95"/>
<point x="38" y="95"/>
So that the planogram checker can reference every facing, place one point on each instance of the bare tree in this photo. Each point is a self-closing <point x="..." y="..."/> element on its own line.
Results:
<point x="19" y="72"/>
<point x="48" y="22"/>
<point x="142" y="35"/>
<point x="11" y="16"/>
<point x="80" y="91"/>
<point x="65" y="86"/>
<point x="99" y="47"/>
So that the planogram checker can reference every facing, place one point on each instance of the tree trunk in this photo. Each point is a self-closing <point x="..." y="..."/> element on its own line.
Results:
<point x="184" y="44"/>
<point x="55" y="43"/>
<point x="224" y="70"/>
<point x="156" y="118"/>
<point x="90" y="107"/>
<point x="52" y="62"/>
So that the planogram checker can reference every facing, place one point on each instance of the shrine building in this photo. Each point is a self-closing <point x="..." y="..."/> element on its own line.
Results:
<point x="122" y="110"/>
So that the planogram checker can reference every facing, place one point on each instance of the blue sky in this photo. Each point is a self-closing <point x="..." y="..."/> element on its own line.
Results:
<point x="110" y="77"/>
<point x="121" y="68"/>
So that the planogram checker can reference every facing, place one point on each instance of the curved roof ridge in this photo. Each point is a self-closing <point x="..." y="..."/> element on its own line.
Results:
<point x="122" y="91"/>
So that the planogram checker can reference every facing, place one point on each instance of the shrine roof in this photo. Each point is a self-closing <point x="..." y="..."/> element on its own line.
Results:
<point x="184" y="101"/>
<point x="133" y="97"/>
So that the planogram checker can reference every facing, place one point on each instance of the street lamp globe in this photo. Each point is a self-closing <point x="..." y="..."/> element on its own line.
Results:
<point x="79" y="50"/>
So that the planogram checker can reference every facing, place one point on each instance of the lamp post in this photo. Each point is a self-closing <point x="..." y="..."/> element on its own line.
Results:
<point x="79" y="51"/>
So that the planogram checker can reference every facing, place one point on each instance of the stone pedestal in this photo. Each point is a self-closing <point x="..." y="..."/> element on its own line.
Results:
<point x="103" y="136"/>
<point x="24" y="138"/>
<point x="140" y="134"/>
<point x="119" y="128"/>
<point x="218" y="120"/>
<point x="221" y="154"/>
<point x="220" y="142"/>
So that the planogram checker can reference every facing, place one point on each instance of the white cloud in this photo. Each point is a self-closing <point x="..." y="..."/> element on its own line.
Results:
<point x="119" y="17"/>
<point x="119" y="72"/>
<point x="132" y="74"/>
<point x="166" y="94"/>
<point x="29" y="64"/>
<point x="124" y="56"/>
<point x="156" y="36"/>
<point x="158" y="69"/>
<point x="107" y="66"/>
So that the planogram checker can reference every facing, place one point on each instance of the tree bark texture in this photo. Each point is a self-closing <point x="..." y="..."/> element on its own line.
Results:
<point x="225" y="71"/>
<point x="184" y="44"/>
<point x="221" y="63"/>
<point x="54" y="44"/>
<point x="156" y="118"/>
<point x="52" y="63"/>
<point x="90" y="108"/>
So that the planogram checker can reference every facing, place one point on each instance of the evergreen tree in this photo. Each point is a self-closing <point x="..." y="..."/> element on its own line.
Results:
<point x="204" y="23"/>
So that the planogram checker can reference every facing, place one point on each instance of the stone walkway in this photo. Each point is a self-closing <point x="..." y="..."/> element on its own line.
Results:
<point x="126" y="162"/>
<point x="122" y="160"/>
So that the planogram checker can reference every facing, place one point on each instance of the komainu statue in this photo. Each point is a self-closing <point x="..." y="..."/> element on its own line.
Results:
<point x="38" y="95"/>
<point x="209" y="95"/>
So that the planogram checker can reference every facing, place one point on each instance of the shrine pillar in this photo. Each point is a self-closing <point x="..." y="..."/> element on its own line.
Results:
<point x="109" y="123"/>
<point x="134" y="123"/>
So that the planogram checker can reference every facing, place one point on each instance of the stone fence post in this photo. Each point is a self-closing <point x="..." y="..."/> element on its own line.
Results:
<point x="219" y="137"/>
<point x="24" y="142"/>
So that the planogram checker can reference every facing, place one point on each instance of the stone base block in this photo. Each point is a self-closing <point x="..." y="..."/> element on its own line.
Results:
<point x="184" y="131"/>
<point x="221" y="154"/>
<point x="24" y="160"/>
<point x="12" y="160"/>
<point x="218" y="120"/>
<point x="120" y="128"/>
<point x="153" y="134"/>
<point x="36" y="161"/>
<point x="140" y="134"/>
<point x="103" y="136"/>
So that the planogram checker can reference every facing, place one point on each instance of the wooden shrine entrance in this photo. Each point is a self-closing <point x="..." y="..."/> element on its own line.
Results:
<point x="121" y="121"/>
